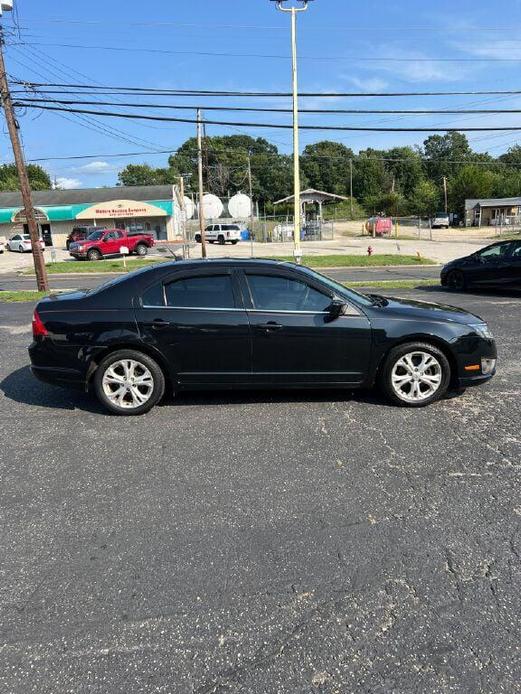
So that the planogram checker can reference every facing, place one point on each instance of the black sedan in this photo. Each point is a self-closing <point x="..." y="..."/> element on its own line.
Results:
<point x="229" y="324"/>
<point x="497" y="265"/>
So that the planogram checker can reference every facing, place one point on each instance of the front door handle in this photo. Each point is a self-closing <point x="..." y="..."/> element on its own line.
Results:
<point x="269" y="327"/>
<point x="159" y="324"/>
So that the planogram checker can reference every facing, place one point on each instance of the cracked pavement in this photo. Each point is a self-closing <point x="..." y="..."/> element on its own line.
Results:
<point x="261" y="542"/>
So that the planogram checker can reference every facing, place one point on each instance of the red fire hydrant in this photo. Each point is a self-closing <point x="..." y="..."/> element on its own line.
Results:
<point x="370" y="250"/>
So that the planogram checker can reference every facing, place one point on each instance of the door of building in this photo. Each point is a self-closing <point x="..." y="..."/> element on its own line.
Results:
<point x="46" y="233"/>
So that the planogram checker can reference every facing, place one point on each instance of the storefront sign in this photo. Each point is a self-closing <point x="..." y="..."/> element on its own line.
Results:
<point x="122" y="209"/>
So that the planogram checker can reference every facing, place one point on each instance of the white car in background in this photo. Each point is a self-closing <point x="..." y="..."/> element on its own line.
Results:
<point x="221" y="234"/>
<point x="21" y="243"/>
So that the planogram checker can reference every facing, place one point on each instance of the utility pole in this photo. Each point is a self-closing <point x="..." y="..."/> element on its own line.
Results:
<point x="351" y="185"/>
<point x="250" y="186"/>
<point x="182" y="206"/>
<point x="297" y="252"/>
<point x="445" y="193"/>
<point x="201" y="186"/>
<point x="25" y="188"/>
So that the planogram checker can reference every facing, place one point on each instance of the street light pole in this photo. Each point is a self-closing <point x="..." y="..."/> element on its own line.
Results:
<point x="201" y="184"/>
<point x="297" y="252"/>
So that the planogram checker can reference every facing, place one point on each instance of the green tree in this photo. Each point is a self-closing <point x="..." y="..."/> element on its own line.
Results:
<point x="472" y="181"/>
<point x="445" y="154"/>
<point x="405" y="166"/>
<point x="39" y="179"/>
<point x="145" y="175"/>
<point x="370" y="178"/>
<point x="425" y="199"/>
<point x="326" y="166"/>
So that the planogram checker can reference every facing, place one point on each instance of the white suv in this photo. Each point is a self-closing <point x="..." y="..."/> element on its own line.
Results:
<point x="222" y="233"/>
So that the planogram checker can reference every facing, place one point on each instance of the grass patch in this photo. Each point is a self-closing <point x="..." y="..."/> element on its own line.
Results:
<point x="96" y="266"/>
<point x="29" y="295"/>
<point x="360" y="260"/>
<point x="392" y="284"/>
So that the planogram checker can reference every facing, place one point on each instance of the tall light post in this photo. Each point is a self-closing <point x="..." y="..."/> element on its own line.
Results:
<point x="294" y="9"/>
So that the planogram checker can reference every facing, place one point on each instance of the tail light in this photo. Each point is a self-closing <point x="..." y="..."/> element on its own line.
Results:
<point x="39" y="329"/>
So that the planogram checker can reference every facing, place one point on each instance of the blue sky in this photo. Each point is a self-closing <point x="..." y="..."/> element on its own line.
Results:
<point x="339" y="41"/>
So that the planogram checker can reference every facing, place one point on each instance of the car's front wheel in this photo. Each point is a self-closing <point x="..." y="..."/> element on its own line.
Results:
<point x="141" y="249"/>
<point x="456" y="280"/>
<point x="129" y="383"/>
<point x="94" y="254"/>
<point x="415" y="375"/>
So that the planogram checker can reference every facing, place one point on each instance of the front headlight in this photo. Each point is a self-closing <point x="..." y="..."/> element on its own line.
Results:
<point x="483" y="330"/>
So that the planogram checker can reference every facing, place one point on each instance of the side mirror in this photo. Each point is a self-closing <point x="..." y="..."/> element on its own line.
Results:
<point x="335" y="309"/>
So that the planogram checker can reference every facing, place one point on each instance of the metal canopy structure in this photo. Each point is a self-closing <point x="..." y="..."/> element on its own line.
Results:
<point x="313" y="197"/>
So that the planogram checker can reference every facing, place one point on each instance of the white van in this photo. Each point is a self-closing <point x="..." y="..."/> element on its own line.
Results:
<point x="221" y="233"/>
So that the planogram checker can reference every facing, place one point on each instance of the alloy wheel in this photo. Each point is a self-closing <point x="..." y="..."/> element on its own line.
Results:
<point x="128" y="384"/>
<point x="416" y="376"/>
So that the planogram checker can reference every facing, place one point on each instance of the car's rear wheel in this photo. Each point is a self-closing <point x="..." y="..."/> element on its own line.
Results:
<point x="234" y="243"/>
<point x="415" y="375"/>
<point x="21" y="249"/>
<point x="129" y="383"/>
<point x="94" y="254"/>
<point x="456" y="280"/>
<point x="141" y="249"/>
<point x="198" y="238"/>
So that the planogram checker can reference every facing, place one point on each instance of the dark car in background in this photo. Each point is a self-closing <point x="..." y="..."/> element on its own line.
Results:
<point x="80" y="233"/>
<point x="232" y="324"/>
<point x="495" y="266"/>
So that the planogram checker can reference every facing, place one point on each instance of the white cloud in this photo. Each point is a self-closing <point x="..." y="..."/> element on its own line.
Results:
<point x="369" y="84"/>
<point x="94" y="168"/>
<point x="415" y="66"/>
<point x="64" y="183"/>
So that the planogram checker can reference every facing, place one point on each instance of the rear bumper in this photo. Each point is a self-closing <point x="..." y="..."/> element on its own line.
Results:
<point x="57" y="376"/>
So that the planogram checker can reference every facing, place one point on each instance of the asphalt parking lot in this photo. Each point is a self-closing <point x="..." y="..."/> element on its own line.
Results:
<point x="261" y="542"/>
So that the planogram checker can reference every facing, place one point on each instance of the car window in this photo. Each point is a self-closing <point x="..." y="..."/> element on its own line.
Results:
<point x="277" y="293"/>
<point x="497" y="251"/>
<point x="95" y="236"/>
<point x="516" y="250"/>
<point x="209" y="291"/>
<point x="15" y="238"/>
<point x="154" y="296"/>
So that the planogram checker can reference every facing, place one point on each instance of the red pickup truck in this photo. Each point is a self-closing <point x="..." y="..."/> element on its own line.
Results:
<point x="105" y="242"/>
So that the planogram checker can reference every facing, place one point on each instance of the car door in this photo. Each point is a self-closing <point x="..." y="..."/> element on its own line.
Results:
<point x="514" y="265"/>
<point x="490" y="265"/>
<point x="293" y="339"/>
<point x="13" y="242"/>
<point x="198" y="322"/>
<point x="112" y="242"/>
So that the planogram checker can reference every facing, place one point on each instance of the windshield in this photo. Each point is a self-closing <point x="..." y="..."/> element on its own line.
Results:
<point x="95" y="236"/>
<point x="339" y="289"/>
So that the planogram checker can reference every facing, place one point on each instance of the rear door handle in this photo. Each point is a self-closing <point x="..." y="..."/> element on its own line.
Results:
<point x="269" y="327"/>
<point x="159" y="324"/>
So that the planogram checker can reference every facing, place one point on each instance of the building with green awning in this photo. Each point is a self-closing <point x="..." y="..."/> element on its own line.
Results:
<point x="58" y="212"/>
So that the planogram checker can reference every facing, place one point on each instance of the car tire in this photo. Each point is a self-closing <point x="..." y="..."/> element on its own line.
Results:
<point x="141" y="250"/>
<point x="21" y="249"/>
<point x="94" y="254"/>
<point x="234" y="243"/>
<point x="221" y="240"/>
<point x="112" y="368"/>
<point x="403" y="381"/>
<point x="456" y="281"/>
<point x="198" y="238"/>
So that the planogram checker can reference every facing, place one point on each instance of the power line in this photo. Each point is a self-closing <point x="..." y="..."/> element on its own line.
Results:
<point x="170" y="119"/>
<point x="228" y="93"/>
<point x="219" y="54"/>
<point x="273" y="110"/>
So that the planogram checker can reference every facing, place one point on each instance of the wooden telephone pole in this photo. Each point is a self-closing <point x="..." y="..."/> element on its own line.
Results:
<point x="201" y="184"/>
<point x="25" y="188"/>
